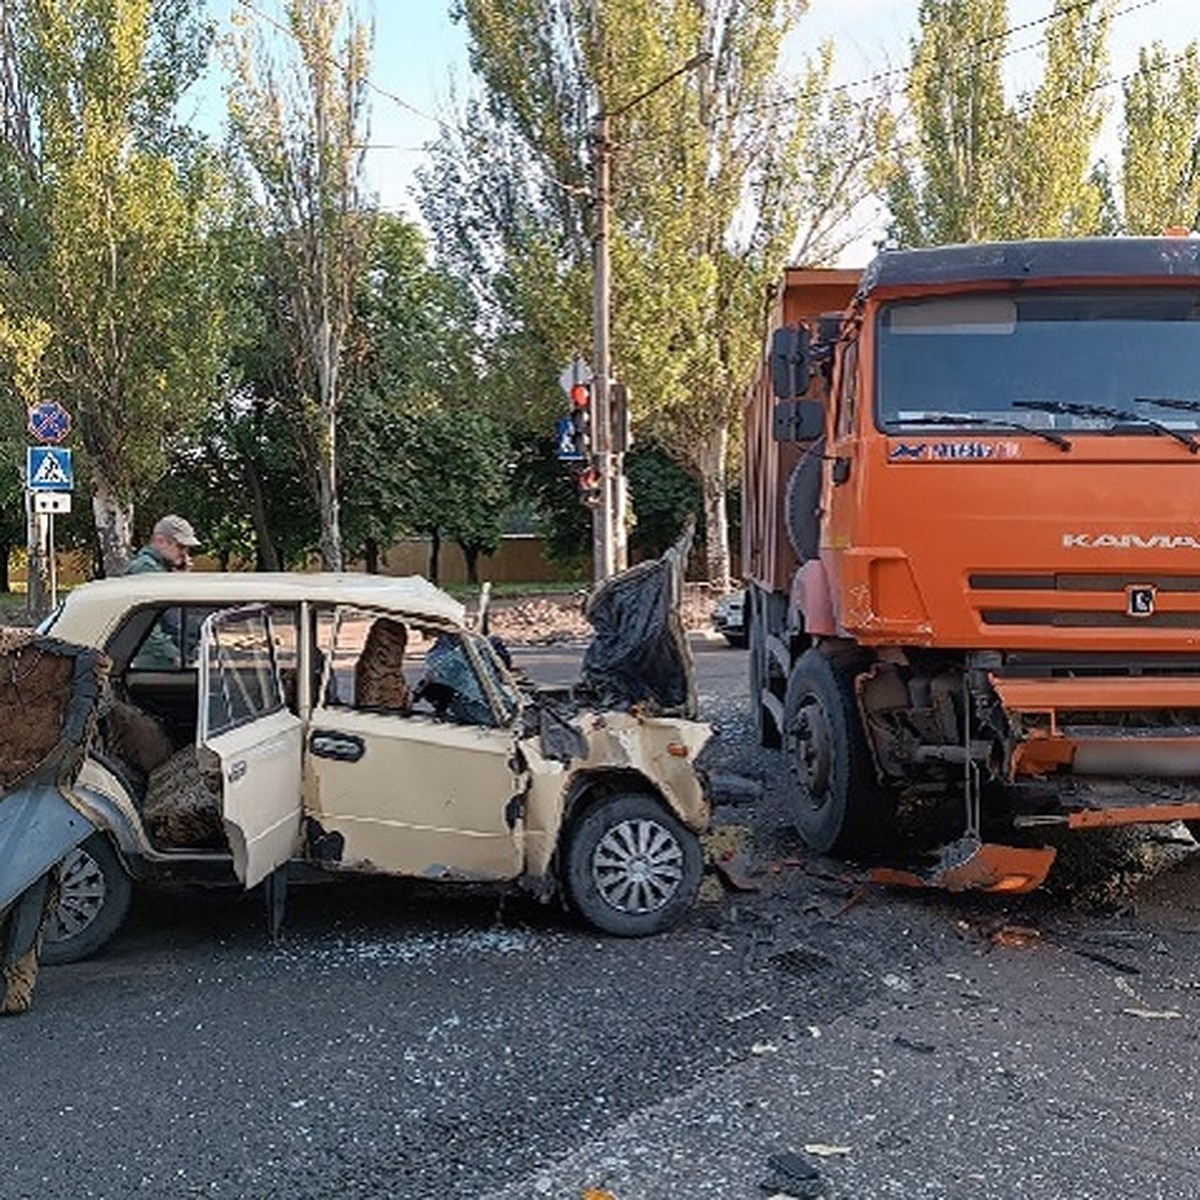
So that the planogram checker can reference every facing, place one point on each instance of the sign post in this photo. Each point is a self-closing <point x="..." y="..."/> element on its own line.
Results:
<point x="49" y="480"/>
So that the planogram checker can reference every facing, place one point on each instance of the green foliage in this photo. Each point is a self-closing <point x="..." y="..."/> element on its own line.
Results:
<point x="108" y="201"/>
<point x="457" y="486"/>
<point x="299" y="119"/>
<point x="664" y="496"/>
<point x="1160" y="143"/>
<point x="975" y="166"/>
<point x="721" y="172"/>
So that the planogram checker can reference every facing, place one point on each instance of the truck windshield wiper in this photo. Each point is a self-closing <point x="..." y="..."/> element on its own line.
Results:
<point x="1169" y="402"/>
<point x="993" y="422"/>
<point x="1071" y="408"/>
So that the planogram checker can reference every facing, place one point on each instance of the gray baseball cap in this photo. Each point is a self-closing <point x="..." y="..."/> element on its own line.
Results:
<point x="178" y="530"/>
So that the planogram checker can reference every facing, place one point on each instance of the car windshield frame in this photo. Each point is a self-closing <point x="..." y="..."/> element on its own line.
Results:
<point x="979" y="355"/>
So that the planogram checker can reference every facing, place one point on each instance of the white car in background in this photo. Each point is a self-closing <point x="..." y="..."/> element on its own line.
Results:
<point x="729" y="618"/>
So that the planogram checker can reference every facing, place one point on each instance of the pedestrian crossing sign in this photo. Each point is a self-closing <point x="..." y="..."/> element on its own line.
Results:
<point x="48" y="469"/>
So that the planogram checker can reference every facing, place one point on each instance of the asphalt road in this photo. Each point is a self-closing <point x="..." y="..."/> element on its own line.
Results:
<point x="415" y="1041"/>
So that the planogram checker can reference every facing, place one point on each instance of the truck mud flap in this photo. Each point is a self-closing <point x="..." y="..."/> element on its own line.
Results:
<point x="970" y="865"/>
<point x="37" y="828"/>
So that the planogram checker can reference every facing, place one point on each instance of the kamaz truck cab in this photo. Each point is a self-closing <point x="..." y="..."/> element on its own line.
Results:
<point x="975" y="601"/>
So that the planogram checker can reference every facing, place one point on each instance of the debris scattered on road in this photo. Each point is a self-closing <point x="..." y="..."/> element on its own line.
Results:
<point x="723" y="841"/>
<point x="793" y="1177"/>
<point x="724" y="787"/>
<point x="912" y="1044"/>
<point x="824" y="1150"/>
<point x="596" y="1194"/>
<point x="746" y="1014"/>
<point x="799" y="961"/>
<point x="1147" y="1014"/>
<point x="734" y="869"/>
<point x="1106" y="960"/>
<point x="1140" y="1008"/>
<point x="761" y="1048"/>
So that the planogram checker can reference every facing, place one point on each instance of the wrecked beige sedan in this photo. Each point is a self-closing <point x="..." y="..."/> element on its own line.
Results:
<point x="358" y="724"/>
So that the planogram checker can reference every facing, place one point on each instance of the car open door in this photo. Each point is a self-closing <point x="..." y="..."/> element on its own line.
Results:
<point x="243" y="721"/>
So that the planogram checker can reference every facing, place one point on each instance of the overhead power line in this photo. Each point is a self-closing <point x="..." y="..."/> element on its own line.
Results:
<point x="970" y="65"/>
<point x="407" y="105"/>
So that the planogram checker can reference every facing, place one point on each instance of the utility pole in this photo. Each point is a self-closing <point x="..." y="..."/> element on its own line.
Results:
<point x="604" y="515"/>
<point x="609" y="518"/>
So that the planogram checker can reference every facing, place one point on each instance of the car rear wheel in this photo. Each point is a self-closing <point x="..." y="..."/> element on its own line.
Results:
<point x="632" y="868"/>
<point x="94" y="896"/>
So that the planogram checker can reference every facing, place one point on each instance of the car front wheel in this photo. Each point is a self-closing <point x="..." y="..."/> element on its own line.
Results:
<point x="94" y="896"/>
<point x="632" y="867"/>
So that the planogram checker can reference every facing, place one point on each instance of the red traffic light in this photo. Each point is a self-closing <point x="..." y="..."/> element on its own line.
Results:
<point x="581" y="395"/>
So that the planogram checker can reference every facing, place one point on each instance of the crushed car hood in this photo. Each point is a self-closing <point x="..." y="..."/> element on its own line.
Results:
<point x="50" y="693"/>
<point x="639" y="656"/>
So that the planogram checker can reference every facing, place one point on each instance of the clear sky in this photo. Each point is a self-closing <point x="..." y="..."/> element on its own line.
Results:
<point x="420" y="54"/>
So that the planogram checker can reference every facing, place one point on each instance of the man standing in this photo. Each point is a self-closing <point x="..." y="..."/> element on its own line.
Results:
<point x="169" y="548"/>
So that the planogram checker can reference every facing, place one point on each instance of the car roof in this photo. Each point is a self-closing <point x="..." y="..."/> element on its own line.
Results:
<point x="103" y="599"/>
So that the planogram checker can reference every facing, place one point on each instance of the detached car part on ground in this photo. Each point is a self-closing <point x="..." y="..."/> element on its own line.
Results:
<point x="273" y="736"/>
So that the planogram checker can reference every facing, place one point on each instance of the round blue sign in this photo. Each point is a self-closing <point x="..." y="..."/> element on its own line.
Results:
<point x="49" y="422"/>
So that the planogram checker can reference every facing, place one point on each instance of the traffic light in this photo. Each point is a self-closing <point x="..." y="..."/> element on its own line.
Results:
<point x="589" y="482"/>
<point x="581" y="417"/>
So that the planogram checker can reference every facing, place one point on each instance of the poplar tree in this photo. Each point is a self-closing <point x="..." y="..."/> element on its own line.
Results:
<point x="974" y="166"/>
<point x="722" y="169"/>
<point x="1160" y="142"/>
<point x="105" y="205"/>
<point x="299" y="117"/>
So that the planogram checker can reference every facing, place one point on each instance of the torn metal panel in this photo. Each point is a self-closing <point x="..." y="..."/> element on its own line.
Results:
<point x="968" y="865"/>
<point x="37" y="828"/>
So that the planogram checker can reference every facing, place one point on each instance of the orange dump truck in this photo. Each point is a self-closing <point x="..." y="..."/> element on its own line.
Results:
<point x="971" y="539"/>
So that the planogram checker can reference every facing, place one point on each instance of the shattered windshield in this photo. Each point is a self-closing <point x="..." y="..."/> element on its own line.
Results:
<point x="1045" y="360"/>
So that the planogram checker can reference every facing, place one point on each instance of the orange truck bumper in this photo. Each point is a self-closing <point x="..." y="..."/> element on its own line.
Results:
<point x="1057" y="740"/>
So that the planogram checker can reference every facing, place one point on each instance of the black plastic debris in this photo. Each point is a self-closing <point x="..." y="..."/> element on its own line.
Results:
<point x="793" y="1175"/>
<point x="639" y="655"/>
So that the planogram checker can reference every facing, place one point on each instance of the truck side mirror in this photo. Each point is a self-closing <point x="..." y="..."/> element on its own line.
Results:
<point x="790" y="361"/>
<point x="799" y="420"/>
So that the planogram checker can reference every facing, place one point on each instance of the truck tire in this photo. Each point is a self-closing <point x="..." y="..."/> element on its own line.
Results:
<point x="835" y="799"/>
<point x="802" y="503"/>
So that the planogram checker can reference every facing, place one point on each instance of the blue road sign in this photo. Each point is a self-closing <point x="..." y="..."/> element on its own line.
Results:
<point x="48" y="469"/>
<point x="564" y="441"/>
<point x="49" y="422"/>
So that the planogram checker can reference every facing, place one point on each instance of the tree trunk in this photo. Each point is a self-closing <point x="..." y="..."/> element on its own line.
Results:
<point x="435" y="549"/>
<point x="266" y="552"/>
<point x="5" y="554"/>
<point x="331" y="529"/>
<point x="471" y="558"/>
<point x="710" y="458"/>
<point x="114" y="524"/>
<point x="371" y="556"/>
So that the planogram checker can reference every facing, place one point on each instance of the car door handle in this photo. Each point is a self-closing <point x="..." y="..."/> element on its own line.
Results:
<point x="344" y="747"/>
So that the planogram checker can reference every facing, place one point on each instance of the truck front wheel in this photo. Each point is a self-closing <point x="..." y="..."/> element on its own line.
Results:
<point x="834" y="798"/>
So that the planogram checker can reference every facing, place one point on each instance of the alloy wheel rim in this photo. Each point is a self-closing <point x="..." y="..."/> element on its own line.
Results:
<point x="637" y="866"/>
<point x="81" y="893"/>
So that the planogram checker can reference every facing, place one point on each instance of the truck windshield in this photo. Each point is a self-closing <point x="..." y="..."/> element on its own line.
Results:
<point x="1050" y="360"/>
